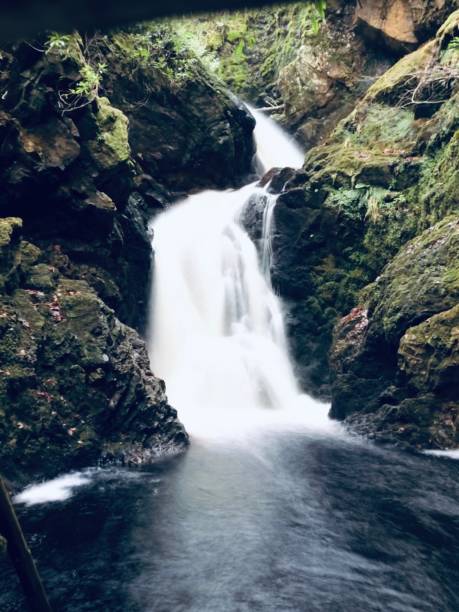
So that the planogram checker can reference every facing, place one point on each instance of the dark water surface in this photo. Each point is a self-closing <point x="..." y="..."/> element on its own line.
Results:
<point x="297" y="522"/>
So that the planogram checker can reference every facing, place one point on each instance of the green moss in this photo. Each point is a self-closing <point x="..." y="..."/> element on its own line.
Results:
<point x="420" y="280"/>
<point x="438" y="189"/>
<point x="111" y="147"/>
<point x="42" y="277"/>
<point x="345" y="165"/>
<point x="381" y="127"/>
<point x="429" y="352"/>
<point x="451" y="279"/>
<point x="389" y="85"/>
<point x="28" y="311"/>
<point x="247" y="49"/>
<point x="29" y="253"/>
<point x="8" y="227"/>
<point x="348" y="202"/>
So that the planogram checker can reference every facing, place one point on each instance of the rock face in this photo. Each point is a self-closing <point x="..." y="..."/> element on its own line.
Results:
<point x="197" y="128"/>
<point x="81" y="176"/>
<point x="287" y="56"/>
<point x="400" y="25"/>
<point x="388" y="174"/>
<point x="75" y="382"/>
<point x="67" y="164"/>
<point x="312" y="71"/>
<point x="395" y="360"/>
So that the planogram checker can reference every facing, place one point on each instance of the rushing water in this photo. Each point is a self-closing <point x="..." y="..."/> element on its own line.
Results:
<point x="218" y="336"/>
<point x="273" y="508"/>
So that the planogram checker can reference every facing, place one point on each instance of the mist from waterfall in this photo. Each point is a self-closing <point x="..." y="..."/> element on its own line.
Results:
<point x="217" y="327"/>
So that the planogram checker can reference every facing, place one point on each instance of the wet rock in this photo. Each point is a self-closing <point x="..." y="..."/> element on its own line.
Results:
<point x="111" y="146"/>
<point x="394" y="366"/>
<point x="75" y="382"/>
<point x="383" y="177"/>
<point x="81" y="177"/>
<point x="428" y="354"/>
<point x="202" y="135"/>
<point x="419" y="282"/>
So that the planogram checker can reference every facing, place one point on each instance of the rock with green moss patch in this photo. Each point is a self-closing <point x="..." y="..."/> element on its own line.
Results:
<point x="405" y="352"/>
<point x="76" y="385"/>
<point x="41" y="277"/>
<point x="111" y="145"/>
<point x="387" y="173"/>
<point x="429" y="353"/>
<point x="10" y="231"/>
<point x="420" y="281"/>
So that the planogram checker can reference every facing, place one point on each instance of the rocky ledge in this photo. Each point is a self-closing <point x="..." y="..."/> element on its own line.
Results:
<point x="98" y="133"/>
<point x="75" y="382"/>
<point x="395" y="358"/>
<point x="365" y="238"/>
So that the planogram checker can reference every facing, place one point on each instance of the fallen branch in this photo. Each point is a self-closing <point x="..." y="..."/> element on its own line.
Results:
<point x="20" y="554"/>
<point x="268" y="109"/>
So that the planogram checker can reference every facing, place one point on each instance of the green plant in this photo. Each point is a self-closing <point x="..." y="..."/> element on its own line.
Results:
<point x="57" y="42"/>
<point x="137" y="47"/>
<point x="86" y="90"/>
<point x="318" y="10"/>
<point x="88" y="85"/>
<point x="454" y="44"/>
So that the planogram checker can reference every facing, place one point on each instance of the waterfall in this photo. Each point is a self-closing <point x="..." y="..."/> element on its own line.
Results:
<point x="217" y="327"/>
<point x="275" y="149"/>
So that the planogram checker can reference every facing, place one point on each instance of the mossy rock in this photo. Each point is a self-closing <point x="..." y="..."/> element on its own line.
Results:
<point x="393" y="83"/>
<point x="429" y="353"/>
<point x="10" y="231"/>
<point x="76" y="384"/>
<point x="438" y="189"/>
<point x="9" y="227"/>
<point x="111" y="146"/>
<point x="42" y="277"/>
<point x="419" y="282"/>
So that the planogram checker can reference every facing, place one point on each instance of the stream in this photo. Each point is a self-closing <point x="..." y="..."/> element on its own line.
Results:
<point x="274" y="507"/>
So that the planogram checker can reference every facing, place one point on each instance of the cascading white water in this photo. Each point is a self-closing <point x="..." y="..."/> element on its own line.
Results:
<point x="275" y="149"/>
<point x="218" y="337"/>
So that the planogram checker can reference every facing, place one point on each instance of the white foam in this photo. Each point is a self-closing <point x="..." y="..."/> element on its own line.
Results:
<point x="57" y="489"/>
<point x="450" y="454"/>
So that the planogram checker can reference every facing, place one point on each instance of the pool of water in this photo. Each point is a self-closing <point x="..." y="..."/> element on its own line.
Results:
<point x="291" y="521"/>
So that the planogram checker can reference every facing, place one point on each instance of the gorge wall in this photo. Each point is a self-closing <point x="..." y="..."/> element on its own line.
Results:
<point x="368" y="229"/>
<point x="98" y="133"/>
<point x="311" y="70"/>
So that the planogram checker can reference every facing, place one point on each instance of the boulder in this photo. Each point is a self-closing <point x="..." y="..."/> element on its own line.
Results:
<point x="400" y="24"/>
<point x="394" y="363"/>
<point x="76" y="385"/>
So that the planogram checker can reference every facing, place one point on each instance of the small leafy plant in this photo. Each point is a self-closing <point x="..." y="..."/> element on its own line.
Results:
<point x="88" y="85"/>
<point x="57" y="42"/>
